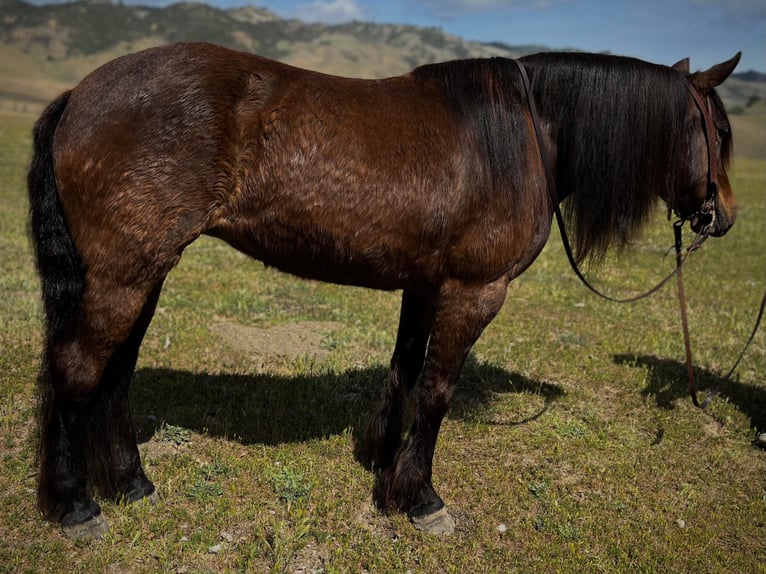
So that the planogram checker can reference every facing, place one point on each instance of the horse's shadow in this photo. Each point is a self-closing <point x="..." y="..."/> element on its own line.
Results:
<point x="273" y="409"/>
<point x="667" y="382"/>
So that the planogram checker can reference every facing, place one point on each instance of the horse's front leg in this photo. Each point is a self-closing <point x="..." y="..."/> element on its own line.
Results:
<point x="462" y="312"/>
<point x="384" y="435"/>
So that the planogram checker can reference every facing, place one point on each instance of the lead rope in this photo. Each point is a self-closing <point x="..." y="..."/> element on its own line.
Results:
<point x="708" y="207"/>
<point x="681" y="257"/>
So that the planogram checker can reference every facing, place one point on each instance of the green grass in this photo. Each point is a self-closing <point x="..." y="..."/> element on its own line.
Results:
<point x="571" y="445"/>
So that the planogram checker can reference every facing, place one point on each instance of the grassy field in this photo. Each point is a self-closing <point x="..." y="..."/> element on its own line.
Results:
<point x="571" y="445"/>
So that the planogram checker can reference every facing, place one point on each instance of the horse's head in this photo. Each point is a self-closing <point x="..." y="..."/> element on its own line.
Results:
<point x="707" y="202"/>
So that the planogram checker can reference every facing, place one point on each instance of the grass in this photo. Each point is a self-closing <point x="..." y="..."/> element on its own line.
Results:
<point x="571" y="445"/>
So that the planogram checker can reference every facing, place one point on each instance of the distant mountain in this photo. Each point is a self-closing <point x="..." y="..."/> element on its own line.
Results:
<point x="751" y="76"/>
<point x="89" y="27"/>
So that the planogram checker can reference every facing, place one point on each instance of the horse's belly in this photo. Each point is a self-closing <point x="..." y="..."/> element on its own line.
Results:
<point x="397" y="254"/>
<point x="385" y="263"/>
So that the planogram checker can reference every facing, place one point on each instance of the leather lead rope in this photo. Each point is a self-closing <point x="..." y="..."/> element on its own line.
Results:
<point x="708" y="208"/>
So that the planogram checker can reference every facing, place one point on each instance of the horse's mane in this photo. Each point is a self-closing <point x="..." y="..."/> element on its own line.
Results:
<point x="619" y="126"/>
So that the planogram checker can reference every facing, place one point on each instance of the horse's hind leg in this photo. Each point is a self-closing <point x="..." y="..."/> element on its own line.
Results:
<point x="114" y="465"/>
<point x="87" y="441"/>
<point x="462" y="312"/>
<point x="384" y="434"/>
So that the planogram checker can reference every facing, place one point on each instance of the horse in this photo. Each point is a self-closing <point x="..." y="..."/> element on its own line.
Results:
<point x="431" y="183"/>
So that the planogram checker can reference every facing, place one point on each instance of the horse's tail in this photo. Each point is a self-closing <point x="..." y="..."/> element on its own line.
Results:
<point x="58" y="261"/>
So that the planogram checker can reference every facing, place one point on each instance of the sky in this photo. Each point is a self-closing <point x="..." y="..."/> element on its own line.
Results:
<point x="661" y="31"/>
<point x="707" y="31"/>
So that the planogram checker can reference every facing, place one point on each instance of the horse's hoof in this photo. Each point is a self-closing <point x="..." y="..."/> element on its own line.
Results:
<point x="93" y="528"/>
<point x="84" y="520"/>
<point x="440" y="522"/>
<point x="141" y="491"/>
<point x="150" y="499"/>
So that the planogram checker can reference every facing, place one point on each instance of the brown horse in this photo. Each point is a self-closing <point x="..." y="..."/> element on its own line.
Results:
<point x="431" y="183"/>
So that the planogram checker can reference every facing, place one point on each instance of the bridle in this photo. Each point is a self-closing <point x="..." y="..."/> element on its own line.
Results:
<point x="708" y="207"/>
<point x="706" y="210"/>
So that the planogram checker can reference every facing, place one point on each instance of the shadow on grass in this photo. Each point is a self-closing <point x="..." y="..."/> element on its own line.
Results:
<point x="270" y="409"/>
<point x="668" y="383"/>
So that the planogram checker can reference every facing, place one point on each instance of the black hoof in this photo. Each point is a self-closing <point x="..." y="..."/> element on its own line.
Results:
<point x="85" y="521"/>
<point x="139" y="489"/>
<point x="436" y="521"/>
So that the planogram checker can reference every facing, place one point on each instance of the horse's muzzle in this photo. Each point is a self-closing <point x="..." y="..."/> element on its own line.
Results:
<point x="715" y="223"/>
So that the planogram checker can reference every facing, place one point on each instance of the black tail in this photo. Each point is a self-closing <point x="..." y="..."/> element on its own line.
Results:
<point x="58" y="261"/>
<point x="61" y="275"/>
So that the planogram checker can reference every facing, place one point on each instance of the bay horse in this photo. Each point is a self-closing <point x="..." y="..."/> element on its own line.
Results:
<point x="431" y="183"/>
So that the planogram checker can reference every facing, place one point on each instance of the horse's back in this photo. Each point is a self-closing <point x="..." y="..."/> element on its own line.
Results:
<point x="160" y="146"/>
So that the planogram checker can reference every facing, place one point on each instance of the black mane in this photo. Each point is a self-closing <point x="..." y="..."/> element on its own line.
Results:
<point x="618" y="125"/>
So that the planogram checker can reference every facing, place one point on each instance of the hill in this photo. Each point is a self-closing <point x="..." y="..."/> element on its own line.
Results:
<point x="45" y="49"/>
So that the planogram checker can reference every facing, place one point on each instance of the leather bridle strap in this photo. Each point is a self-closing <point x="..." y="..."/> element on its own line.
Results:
<point x="711" y="141"/>
<point x="708" y="209"/>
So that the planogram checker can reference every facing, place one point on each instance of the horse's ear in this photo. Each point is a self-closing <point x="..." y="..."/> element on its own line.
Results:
<point x="682" y="66"/>
<point x="715" y="76"/>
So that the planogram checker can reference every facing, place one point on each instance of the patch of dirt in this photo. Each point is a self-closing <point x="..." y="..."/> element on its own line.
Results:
<point x="290" y="341"/>
<point x="712" y="428"/>
<point x="309" y="560"/>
